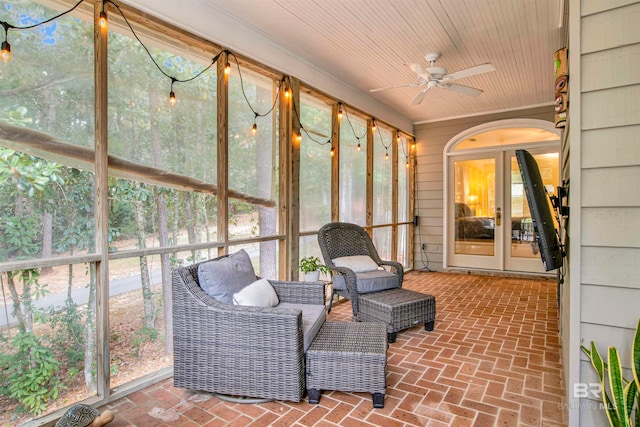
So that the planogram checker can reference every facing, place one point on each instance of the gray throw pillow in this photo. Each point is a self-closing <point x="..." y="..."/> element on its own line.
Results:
<point x="222" y="277"/>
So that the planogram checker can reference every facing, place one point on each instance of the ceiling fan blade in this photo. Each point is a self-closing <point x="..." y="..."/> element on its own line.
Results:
<point x="468" y="72"/>
<point x="420" y="71"/>
<point x="420" y="96"/>
<point x="394" y="87"/>
<point x="465" y="90"/>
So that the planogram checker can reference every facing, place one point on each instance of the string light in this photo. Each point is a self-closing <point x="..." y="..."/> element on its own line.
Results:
<point x="386" y="155"/>
<point x="103" y="17"/>
<point x="103" y="20"/>
<point x="397" y="136"/>
<point x="5" y="48"/>
<point x="332" y="152"/>
<point x="172" y="95"/>
<point x="406" y="164"/>
<point x="5" y="53"/>
<point x="5" y="56"/>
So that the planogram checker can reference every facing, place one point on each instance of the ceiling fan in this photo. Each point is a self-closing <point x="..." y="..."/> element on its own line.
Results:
<point x="433" y="76"/>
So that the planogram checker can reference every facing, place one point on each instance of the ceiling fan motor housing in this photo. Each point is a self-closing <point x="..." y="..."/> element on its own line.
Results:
<point x="437" y="72"/>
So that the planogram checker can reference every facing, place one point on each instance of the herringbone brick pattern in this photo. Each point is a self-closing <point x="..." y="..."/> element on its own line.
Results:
<point x="492" y="360"/>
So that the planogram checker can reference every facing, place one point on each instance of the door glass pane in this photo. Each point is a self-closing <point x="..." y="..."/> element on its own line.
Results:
<point x="523" y="242"/>
<point x="474" y="209"/>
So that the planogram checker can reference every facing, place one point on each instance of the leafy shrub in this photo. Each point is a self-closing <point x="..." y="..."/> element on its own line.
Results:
<point x="31" y="373"/>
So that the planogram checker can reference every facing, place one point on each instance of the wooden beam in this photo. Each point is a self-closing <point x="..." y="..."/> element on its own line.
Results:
<point x="285" y="128"/>
<point x="223" y="153"/>
<point x="101" y="156"/>
<point x="335" y="162"/>
<point x="369" y="201"/>
<point x="293" y="240"/>
<point x="394" y="193"/>
<point x="47" y="147"/>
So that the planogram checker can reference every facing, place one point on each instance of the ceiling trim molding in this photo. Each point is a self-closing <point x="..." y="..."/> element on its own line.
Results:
<point x="484" y="113"/>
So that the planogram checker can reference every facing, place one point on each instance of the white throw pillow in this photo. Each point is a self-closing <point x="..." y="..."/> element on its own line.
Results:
<point x="357" y="263"/>
<point x="258" y="294"/>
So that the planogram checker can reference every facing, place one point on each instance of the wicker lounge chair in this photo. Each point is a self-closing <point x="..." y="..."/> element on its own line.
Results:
<point x="343" y="241"/>
<point x="238" y="350"/>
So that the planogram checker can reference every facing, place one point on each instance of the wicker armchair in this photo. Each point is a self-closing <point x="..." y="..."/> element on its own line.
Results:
<point x="236" y="350"/>
<point x="341" y="239"/>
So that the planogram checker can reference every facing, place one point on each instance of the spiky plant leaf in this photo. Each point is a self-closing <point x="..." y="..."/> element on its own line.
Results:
<point x="598" y="365"/>
<point x="617" y="387"/>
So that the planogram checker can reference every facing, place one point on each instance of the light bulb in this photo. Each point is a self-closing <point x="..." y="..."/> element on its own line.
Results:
<point x="227" y="68"/>
<point x="358" y="147"/>
<point x="407" y="164"/>
<point x="287" y="93"/>
<point x="332" y="152"/>
<point x="103" y="20"/>
<point x="5" y="53"/>
<point x="373" y="125"/>
<point x="398" y="139"/>
<point x="254" y="129"/>
<point x="172" y="98"/>
<point x="339" y="112"/>
<point x="386" y="156"/>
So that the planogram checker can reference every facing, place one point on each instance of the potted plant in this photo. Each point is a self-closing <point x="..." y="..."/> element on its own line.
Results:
<point x="311" y="267"/>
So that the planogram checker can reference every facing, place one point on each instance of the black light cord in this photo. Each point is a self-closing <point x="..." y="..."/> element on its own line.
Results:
<point x="173" y="79"/>
<point x="244" y="94"/>
<point x="7" y="26"/>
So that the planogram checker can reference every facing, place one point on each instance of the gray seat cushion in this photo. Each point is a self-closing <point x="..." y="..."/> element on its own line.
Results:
<point x="370" y="281"/>
<point x="313" y="317"/>
<point x="222" y="277"/>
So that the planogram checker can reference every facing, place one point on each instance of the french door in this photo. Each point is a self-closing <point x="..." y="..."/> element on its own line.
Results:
<point x="488" y="221"/>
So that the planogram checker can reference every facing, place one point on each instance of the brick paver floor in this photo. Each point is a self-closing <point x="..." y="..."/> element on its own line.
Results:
<point x="492" y="360"/>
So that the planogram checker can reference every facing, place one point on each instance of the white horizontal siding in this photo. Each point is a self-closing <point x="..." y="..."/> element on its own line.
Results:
<point x="589" y="7"/>
<point x="608" y="147"/>
<point x="598" y="72"/>
<point x="611" y="266"/>
<point x="605" y="336"/>
<point x="614" y="227"/>
<point x="610" y="108"/>
<point x="619" y="186"/>
<point x="616" y="27"/>
<point x="607" y="305"/>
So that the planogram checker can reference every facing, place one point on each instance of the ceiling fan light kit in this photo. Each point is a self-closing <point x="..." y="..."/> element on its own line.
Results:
<point x="435" y="76"/>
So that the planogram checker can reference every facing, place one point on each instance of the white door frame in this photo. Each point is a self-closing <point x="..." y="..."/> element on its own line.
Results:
<point x="468" y="133"/>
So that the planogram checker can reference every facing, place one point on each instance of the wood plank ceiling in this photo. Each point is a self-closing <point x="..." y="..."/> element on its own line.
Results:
<point x="366" y="44"/>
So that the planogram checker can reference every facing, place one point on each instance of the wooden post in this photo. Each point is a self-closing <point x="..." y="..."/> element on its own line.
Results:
<point x="335" y="163"/>
<point x="223" y="153"/>
<point x="369" y="202"/>
<point x="394" y="193"/>
<point x="101" y="203"/>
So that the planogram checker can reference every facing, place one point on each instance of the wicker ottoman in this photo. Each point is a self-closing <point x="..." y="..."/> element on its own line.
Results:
<point x="399" y="309"/>
<point x="348" y="356"/>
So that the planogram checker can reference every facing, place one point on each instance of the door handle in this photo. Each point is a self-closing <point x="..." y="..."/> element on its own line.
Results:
<point x="498" y="217"/>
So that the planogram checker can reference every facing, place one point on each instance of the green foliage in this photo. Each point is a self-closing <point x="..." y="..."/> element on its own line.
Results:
<point x="622" y="395"/>
<point x="312" y="263"/>
<point x="142" y="336"/>
<point x="68" y="333"/>
<point x="30" y="375"/>
<point x="20" y="237"/>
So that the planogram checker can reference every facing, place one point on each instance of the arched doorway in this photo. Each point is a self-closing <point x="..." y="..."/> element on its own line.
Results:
<point x="487" y="224"/>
